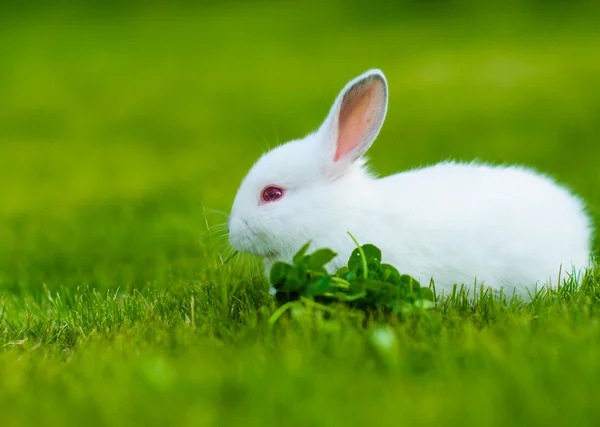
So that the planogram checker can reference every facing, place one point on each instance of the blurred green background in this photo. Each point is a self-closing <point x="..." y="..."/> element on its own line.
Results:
<point x="121" y="121"/>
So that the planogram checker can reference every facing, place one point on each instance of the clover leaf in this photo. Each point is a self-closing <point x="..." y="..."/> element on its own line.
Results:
<point x="365" y="282"/>
<point x="318" y="259"/>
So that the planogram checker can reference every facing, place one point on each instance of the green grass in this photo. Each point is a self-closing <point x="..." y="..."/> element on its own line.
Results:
<point x="119" y="125"/>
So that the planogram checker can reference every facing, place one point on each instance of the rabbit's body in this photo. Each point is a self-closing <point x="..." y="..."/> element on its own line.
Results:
<point x="504" y="227"/>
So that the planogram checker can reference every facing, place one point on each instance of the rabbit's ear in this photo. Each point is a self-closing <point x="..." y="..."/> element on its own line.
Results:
<point x="356" y="117"/>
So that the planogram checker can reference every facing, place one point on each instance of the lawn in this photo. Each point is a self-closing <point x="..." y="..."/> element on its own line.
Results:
<point x="125" y="130"/>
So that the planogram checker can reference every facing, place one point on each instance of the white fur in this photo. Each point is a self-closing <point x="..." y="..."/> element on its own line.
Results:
<point x="501" y="226"/>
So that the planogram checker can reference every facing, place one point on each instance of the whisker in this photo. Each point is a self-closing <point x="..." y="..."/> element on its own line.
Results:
<point x="222" y="213"/>
<point x="212" y="232"/>
<point x="225" y="250"/>
<point x="205" y="218"/>
<point x="221" y="239"/>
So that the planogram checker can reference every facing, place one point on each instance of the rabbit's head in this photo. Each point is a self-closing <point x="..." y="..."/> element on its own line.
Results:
<point x="298" y="191"/>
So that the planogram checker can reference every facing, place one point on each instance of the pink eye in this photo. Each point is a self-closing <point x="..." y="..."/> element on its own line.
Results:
<point x="271" y="194"/>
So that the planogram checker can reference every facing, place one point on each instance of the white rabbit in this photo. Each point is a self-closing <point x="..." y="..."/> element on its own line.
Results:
<point x="458" y="223"/>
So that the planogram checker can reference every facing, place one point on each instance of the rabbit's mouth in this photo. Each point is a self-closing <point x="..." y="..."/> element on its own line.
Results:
<point x="243" y="238"/>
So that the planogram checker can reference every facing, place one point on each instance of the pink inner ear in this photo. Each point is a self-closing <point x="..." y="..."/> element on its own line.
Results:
<point x="356" y="116"/>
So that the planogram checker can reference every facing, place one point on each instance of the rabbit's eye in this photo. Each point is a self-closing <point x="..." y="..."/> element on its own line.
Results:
<point x="271" y="194"/>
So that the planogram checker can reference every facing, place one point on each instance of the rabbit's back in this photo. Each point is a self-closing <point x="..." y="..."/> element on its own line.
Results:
<point x="507" y="226"/>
